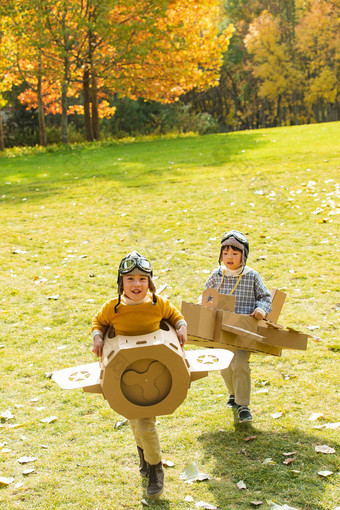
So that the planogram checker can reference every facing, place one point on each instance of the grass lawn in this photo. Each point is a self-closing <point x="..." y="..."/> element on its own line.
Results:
<point x="67" y="218"/>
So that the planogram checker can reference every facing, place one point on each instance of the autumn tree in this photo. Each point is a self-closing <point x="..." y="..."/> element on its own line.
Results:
<point x="152" y="49"/>
<point x="317" y="44"/>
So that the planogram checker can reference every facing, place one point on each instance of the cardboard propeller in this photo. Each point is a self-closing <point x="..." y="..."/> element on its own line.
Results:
<point x="142" y="376"/>
<point x="214" y="324"/>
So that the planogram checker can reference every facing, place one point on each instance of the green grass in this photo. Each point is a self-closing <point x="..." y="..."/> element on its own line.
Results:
<point x="71" y="214"/>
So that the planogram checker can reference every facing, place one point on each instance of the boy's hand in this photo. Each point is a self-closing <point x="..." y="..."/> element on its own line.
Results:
<point x="182" y="335"/>
<point x="258" y="314"/>
<point x="98" y="343"/>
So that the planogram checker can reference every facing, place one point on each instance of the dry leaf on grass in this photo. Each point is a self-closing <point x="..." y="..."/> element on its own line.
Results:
<point x="25" y="459"/>
<point x="6" y="481"/>
<point x="28" y="471"/>
<point x="191" y="473"/>
<point x="289" y="460"/>
<point x="256" y="503"/>
<point x="49" y="419"/>
<point x="277" y="415"/>
<point x="249" y="438"/>
<point x="269" y="460"/>
<point x="274" y="506"/>
<point x="324" y="449"/>
<point x="241" y="485"/>
<point x="325" y="473"/>
<point x="315" y="416"/>
<point x="289" y="454"/>
<point x="168" y="463"/>
<point x="203" y="504"/>
<point x="7" y="415"/>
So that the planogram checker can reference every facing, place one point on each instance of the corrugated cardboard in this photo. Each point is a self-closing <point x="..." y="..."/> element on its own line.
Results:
<point x="278" y="299"/>
<point x="285" y="339"/>
<point x="146" y="375"/>
<point x="236" y="331"/>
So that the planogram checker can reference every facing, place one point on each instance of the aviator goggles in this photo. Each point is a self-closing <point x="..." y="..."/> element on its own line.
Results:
<point x="241" y="238"/>
<point x="128" y="265"/>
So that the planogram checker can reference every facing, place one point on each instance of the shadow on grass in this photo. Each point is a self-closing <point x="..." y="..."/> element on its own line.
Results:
<point x="259" y="463"/>
<point x="132" y="165"/>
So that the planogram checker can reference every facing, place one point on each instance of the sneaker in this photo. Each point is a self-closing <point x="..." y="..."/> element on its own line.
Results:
<point x="143" y="465"/>
<point x="244" y="414"/>
<point x="231" y="402"/>
<point x="156" y="480"/>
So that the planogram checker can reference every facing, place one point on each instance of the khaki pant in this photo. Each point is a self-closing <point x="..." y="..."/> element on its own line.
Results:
<point x="146" y="436"/>
<point x="237" y="377"/>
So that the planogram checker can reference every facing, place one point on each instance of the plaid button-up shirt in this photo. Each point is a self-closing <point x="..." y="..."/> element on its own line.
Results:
<point x="250" y="293"/>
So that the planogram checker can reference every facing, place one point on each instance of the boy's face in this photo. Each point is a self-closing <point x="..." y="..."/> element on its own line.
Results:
<point x="135" y="286"/>
<point x="231" y="258"/>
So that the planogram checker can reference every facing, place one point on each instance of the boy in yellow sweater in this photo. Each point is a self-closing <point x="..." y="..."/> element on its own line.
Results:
<point x="138" y="311"/>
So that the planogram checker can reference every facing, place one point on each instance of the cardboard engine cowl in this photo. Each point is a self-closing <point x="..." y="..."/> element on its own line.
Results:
<point x="143" y="376"/>
<point x="214" y="324"/>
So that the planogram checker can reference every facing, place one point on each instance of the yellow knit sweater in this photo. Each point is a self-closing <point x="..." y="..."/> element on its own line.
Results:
<point x="134" y="320"/>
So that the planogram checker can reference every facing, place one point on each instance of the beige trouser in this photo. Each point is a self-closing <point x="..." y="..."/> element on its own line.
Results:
<point x="237" y="377"/>
<point x="146" y="436"/>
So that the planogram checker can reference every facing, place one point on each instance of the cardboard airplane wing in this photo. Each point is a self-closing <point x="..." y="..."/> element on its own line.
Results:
<point x="214" y="324"/>
<point x="142" y="376"/>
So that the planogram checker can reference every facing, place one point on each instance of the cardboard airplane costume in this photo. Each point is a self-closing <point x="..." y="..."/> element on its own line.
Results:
<point x="143" y="376"/>
<point x="214" y="324"/>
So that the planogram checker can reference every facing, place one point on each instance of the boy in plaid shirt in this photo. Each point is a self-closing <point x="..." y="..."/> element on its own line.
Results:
<point x="253" y="298"/>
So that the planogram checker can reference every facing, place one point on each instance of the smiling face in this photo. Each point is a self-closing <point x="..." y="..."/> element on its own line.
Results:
<point x="232" y="257"/>
<point x="135" y="286"/>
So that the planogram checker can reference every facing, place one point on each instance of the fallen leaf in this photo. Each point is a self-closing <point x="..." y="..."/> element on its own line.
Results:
<point x="28" y="471"/>
<point x="289" y="460"/>
<point x="274" y="506"/>
<point x="189" y="499"/>
<point x="25" y="460"/>
<point x="268" y="461"/>
<point x="120" y="423"/>
<point x="241" y="485"/>
<point x="55" y="297"/>
<point x="249" y="438"/>
<point x="18" y="485"/>
<point x="276" y="415"/>
<point x="324" y="449"/>
<point x="325" y="473"/>
<point x="5" y="481"/>
<point x="144" y="502"/>
<point x="191" y="473"/>
<point x="49" y="419"/>
<point x="315" y="416"/>
<point x="311" y="328"/>
<point x="289" y="454"/>
<point x="168" y="463"/>
<point x="203" y="504"/>
<point x="256" y="503"/>
<point x="7" y="415"/>
<point x="332" y="425"/>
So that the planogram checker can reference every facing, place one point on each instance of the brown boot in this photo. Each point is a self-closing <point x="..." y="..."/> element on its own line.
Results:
<point x="143" y="465"/>
<point x="156" y="480"/>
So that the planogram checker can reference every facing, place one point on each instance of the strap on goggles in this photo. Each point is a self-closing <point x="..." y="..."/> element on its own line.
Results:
<point x="128" y="265"/>
<point x="236" y="234"/>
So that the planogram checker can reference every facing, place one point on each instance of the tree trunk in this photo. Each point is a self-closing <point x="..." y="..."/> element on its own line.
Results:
<point x="64" y="90"/>
<point x="95" y="116"/>
<point x="41" y="116"/>
<point x="87" y="100"/>
<point x="2" y="140"/>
